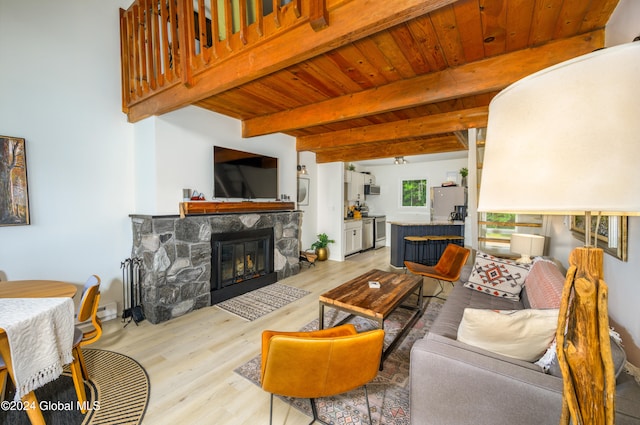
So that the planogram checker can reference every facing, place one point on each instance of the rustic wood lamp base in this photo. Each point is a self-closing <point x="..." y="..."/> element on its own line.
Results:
<point x="584" y="350"/>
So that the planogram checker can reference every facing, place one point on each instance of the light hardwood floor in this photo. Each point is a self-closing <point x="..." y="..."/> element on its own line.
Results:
<point x="191" y="359"/>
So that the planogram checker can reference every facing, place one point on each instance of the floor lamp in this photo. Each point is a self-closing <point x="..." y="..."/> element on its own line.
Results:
<point x="566" y="141"/>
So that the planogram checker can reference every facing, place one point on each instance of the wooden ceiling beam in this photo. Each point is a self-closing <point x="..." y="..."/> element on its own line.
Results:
<point x="463" y="137"/>
<point x="429" y="125"/>
<point x="478" y="77"/>
<point x="390" y="149"/>
<point x="350" y="21"/>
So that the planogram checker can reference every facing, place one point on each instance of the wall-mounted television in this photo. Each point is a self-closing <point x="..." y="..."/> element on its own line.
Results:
<point x="245" y="175"/>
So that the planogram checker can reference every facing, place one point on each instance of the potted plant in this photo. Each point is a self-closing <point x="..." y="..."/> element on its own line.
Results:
<point x="321" y="246"/>
<point x="464" y="172"/>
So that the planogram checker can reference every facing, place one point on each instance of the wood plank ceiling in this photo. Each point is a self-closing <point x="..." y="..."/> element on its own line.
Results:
<point x="410" y="89"/>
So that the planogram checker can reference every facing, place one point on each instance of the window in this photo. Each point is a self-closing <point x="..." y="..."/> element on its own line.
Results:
<point x="414" y="193"/>
<point x="495" y="229"/>
<point x="498" y="228"/>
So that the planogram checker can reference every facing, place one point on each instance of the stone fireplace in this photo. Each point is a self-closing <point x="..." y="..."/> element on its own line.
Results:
<point x="177" y="268"/>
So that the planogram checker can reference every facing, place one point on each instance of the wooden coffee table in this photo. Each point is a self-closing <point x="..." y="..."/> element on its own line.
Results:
<point x="356" y="297"/>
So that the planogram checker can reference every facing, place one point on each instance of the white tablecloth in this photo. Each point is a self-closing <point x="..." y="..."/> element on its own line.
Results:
<point x="40" y="334"/>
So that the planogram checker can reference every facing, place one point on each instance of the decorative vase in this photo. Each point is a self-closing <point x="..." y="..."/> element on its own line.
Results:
<point x="464" y="182"/>
<point x="322" y="253"/>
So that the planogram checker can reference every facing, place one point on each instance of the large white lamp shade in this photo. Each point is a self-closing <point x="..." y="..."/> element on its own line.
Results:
<point x="566" y="140"/>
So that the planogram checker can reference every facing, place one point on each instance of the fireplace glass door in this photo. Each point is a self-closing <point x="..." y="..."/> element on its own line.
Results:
<point x="242" y="261"/>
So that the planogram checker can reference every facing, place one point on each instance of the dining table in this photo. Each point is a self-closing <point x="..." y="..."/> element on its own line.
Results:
<point x="37" y="289"/>
<point x="24" y="302"/>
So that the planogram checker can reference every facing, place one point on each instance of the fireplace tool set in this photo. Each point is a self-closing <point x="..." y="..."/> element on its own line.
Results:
<point x="131" y="295"/>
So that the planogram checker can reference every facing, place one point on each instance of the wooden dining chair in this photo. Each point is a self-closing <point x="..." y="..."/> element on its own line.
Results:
<point x="87" y="317"/>
<point x="3" y="374"/>
<point x="6" y="369"/>
<point x="3" y="378"/>
<point x="319" y="363"/>
<point x="448" y="268"/>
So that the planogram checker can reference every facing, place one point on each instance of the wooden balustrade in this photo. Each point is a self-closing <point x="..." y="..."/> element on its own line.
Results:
<point x="167" y="42"/>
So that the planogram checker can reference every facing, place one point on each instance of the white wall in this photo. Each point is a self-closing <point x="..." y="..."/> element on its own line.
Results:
<point x="623" y="24"/>
<point x="60" y="91"/>
<point x="330" y="218"/>
<point x="310" y="216"/>
<point x="180" y="155"/>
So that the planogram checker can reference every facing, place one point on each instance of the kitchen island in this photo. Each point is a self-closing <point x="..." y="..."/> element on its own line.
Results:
<point x="401" y="229"/>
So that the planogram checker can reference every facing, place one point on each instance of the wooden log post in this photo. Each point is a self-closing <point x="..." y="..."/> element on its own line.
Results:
<point x="583" y="346"/>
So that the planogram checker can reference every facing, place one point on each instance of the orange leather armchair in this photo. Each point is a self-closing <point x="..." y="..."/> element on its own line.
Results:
<point x="448" y="268"/>
<point x="319" y="363"/>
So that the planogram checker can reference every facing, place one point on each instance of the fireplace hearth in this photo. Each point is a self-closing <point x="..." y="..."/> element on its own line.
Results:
<point x="241" y="262"/>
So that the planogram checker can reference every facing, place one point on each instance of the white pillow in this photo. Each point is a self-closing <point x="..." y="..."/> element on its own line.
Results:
<point x="520" y="334"/>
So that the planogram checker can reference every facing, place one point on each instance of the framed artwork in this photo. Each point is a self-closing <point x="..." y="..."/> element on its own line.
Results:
<point x="303" y="191"/>
<point x="14" y="199"/>
<point x="611" y="234"/>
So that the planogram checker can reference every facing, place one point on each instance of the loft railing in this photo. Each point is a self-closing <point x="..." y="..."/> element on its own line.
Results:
<point x="167" y="42"/>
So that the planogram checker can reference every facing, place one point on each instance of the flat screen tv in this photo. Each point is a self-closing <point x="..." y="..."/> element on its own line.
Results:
<point x="244" y="175"/>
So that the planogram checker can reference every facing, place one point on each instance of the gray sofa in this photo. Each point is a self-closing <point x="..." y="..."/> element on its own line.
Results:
<point x="455" y="383"/>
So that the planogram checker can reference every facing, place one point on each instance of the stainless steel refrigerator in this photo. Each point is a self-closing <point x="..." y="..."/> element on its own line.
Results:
<point x="444" y="200"/>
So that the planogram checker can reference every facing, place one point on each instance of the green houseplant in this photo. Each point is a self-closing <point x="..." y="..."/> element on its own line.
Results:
<point x="464" y="172"/>
<point x="321" y="246"/>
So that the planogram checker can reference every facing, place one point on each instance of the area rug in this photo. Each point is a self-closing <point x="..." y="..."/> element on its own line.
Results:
<point x="255" y="304"/>
<point x="117" y="394"/>
<point x="388" y="392"/>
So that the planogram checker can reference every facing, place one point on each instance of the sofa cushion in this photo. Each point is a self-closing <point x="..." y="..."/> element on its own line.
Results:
<point x="465" y="273"/>
<point x="544" y="285"/>
<point x="459" y="298"/>
<point x="497" y="276"/>
<point x="521" y="334"/>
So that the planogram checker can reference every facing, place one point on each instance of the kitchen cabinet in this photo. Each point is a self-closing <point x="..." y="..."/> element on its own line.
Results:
<point x="355" y="185"/>
<point x="352" y="236"/>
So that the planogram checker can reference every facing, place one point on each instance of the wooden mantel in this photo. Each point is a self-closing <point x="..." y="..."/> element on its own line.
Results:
<point x="203" y="207"/>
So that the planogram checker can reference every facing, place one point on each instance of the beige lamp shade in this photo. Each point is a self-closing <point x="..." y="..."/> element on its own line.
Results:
<point x="566" y="140"/>
<point x="527" y="246"/>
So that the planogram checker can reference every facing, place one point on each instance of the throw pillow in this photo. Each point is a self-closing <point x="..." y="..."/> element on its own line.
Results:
<point x="497" y="276"/>
<point x="520" y="334"/>
<point x="544" y="285"/>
